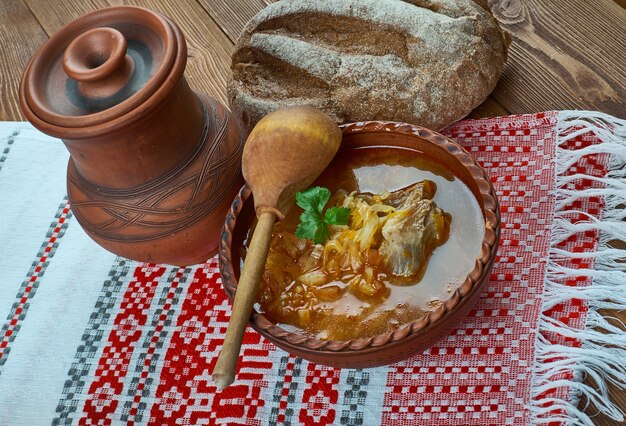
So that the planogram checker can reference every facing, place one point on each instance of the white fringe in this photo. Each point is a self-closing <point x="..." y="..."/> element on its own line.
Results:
<point x="603" y="353"/>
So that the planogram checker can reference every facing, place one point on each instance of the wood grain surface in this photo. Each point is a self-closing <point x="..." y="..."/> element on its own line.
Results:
<point x="564" y="55"/>
<point x="21" y="37"/>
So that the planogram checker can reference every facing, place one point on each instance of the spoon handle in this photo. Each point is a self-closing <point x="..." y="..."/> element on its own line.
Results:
<point x="224" y="371"/>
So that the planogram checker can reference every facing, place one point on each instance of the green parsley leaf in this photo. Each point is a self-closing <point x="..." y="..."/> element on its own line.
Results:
<point x="313" y="199"/>
<point x="313" y="221"/>
<point x="322" y="234"/>
<point x="308" y="226"/>
<point x="337" y="216"/>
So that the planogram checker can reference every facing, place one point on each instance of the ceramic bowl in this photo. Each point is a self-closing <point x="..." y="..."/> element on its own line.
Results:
<point x="408" y="339"/>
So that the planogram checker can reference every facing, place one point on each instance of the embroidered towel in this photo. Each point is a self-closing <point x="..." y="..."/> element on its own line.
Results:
<point x="91" y="338"/>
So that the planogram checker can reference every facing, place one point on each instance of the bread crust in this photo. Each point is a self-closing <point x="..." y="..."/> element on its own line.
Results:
<point x="426" y="62"/>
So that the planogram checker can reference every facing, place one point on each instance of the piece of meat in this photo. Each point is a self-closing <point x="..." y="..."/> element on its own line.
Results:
<point x="413" y="231"/>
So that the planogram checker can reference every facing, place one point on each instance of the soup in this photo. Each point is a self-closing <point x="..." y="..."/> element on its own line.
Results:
<point x="371" y="292"/>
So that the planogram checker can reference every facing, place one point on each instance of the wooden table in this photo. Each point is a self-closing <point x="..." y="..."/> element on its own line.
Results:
<point x="565" y="54"/>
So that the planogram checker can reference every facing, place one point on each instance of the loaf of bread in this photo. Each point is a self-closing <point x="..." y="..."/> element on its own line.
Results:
<point x="425" y="62"/>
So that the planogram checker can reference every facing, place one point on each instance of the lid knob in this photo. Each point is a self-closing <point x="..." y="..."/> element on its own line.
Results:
<point x="97" y="60"/>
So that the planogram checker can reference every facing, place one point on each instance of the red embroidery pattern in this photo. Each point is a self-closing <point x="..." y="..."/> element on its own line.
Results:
<point x="320" y="395"/>
<point x="102" y="400"/>
<point x="186" y="392"/>
<point x="153" y="345"/>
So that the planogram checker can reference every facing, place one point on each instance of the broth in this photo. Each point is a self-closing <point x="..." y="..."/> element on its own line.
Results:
<point x="375" y="170"/>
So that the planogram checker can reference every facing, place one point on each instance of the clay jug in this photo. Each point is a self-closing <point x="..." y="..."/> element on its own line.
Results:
<point x="153" y="165"/>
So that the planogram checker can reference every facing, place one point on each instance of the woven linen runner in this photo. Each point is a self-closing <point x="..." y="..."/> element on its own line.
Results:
<point x="92" y="339"/>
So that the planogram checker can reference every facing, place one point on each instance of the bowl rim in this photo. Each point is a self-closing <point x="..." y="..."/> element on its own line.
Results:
<point x="482" y="266"/>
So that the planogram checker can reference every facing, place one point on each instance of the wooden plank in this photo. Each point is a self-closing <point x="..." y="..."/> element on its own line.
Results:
<point x="230" y="15"/>
<point x="489" y="108"/>
<point x="209" y="49"/>
<point x="54" y="14"/>
<point x="20" y="38"/>
<point x="564" y="55"/>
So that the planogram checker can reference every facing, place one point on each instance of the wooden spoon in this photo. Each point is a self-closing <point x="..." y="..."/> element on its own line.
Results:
<point x="285" y="152"/>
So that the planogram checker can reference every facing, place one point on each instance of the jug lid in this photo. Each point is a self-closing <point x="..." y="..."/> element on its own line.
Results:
<point x="102" y="69"/>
